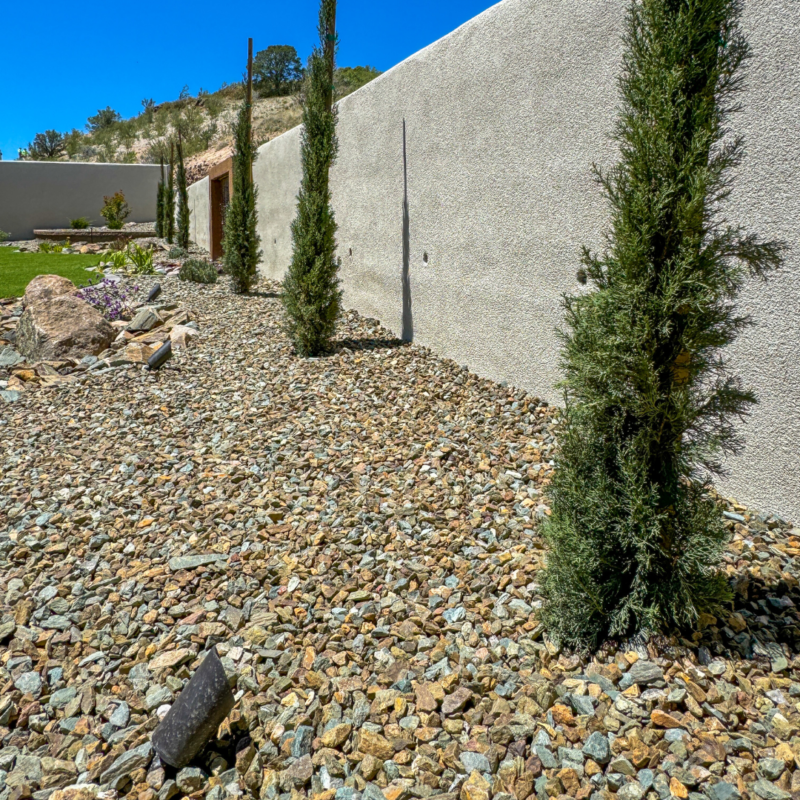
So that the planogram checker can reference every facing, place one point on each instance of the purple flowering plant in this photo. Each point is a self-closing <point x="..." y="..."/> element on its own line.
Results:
<point x="112" y="299"/>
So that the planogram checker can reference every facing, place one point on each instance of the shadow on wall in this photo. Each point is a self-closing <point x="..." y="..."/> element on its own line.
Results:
<point x="408" y="316"/>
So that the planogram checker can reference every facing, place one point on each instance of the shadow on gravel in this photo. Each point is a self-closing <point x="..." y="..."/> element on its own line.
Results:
<point x="367" y="344"/>
<point x="765" y="617"/>
<point x="265" y="295"/>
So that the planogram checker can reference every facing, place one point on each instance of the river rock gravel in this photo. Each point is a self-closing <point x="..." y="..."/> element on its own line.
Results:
<point x="357" y="535"/>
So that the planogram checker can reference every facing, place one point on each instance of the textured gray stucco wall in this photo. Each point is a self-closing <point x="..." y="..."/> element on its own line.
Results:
<point x="199" y="210"/>
<point x="490" y="135"/>
<point x="48" y="194"/>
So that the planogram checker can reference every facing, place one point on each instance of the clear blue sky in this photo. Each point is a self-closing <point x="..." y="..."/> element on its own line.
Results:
<point x="59" y="62"/>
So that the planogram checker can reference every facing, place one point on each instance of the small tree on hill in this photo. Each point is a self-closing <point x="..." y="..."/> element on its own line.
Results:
<point x="46" y="146"/>
<point x="635" y="540"/>
<point x="183" y="201"/>
<point x="169" y="198"/>
<point x="160" y="204"/>
<point x="277" y="70"/>
<point x="241" y="240"/>
<point x="311" y="294"/>
<point x="104" y="118"/>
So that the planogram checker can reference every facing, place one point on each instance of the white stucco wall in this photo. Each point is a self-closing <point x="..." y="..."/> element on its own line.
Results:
<point x="199" y="210"/>
<point x="503" y="120"/>
<point x="48" y="194"/>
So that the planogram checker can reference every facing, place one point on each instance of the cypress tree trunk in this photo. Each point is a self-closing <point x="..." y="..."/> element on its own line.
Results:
<point x="160" y="205"/>
<point x="241" y="240"/>
<point x="311" y="294"/>
<point x="635" y="539"/>
<point x="169" y="201"/>
<point x="183" y="201"/>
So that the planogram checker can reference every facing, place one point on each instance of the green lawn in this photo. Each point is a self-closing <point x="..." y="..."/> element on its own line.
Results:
<point x="18" y="269"/>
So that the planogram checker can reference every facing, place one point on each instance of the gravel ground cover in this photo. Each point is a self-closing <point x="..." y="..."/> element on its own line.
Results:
<point x="357" y="535"/>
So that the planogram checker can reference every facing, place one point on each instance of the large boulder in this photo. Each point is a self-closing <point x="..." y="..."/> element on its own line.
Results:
<point x="46" y="287"/>
<point x="62" y="327"/>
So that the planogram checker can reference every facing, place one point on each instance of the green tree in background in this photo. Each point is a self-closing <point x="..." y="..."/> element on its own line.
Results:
<point x="350" y="79"/>
<point x="104" y="118"/>
<point x="635" y="540"/>
<point x="169" y="198"/>
<point x="311" y="294"/>
<point x="241" y="240"/>
<point x="46" y="146"/>
<point x="183" y="201"/>
<point x="162" y="189"/>
<point x="277" y="70"/>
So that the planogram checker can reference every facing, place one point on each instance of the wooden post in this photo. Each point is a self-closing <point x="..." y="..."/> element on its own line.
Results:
<point x="330" y="47"/>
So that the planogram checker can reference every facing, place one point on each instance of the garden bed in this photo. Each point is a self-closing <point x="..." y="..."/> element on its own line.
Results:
<point x="358" y="534"/>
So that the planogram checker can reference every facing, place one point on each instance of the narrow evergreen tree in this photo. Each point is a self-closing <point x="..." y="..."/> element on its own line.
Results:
<point x="635" y="540"/>
<point x="311" y="294"/>
<point x="183" y="201"/>
<point x="241" y="240"/>
<point x="169" y="198"/>
<point x="160" y="204"/>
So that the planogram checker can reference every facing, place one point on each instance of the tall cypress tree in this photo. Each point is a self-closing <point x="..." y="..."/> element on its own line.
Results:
<point x="241" y="240"/>
<point x="169" y="198"/>
<point x="183" y="200"/>
<point x="635" y="540"/>
<point x="311" y="294"/>
<point x="160" y="204"/>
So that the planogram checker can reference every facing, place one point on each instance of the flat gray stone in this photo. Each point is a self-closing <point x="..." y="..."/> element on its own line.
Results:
<point x="723" y="791"/>
<point x="138" y="758"/>
<point x="767" y="790"/>
<point x="29" y="683"/>
<point x="60" y="698"/>
<point x="643" y="673"/>
<point x="193" y="562"/>
<point x="597" y="748"/>
<point x="145" y="320"/>
<point x="475" y="761"/>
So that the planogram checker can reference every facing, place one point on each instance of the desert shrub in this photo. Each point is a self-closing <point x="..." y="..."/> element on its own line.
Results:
<point x="120" y="244"/>
<point x="4" y="237"/>
<point x="80" y="223"/>
<point x="105" y="118"/>
<point x="112" y="299"/>
<point x="198" y="270"/>
<point x="177" y="252"/>
<point x="214" y="105"/>
<point x="115" y="210"/>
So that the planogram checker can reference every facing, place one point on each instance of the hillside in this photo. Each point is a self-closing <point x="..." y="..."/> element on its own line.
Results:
<point x="205" y="121"/>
